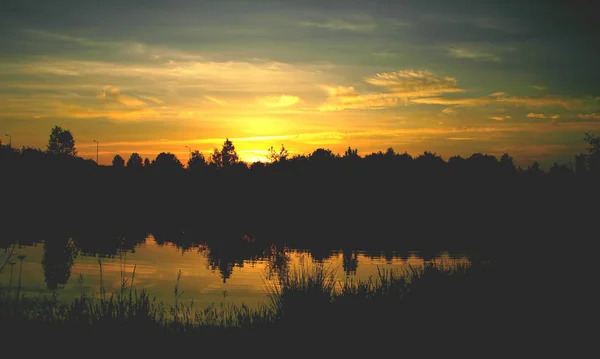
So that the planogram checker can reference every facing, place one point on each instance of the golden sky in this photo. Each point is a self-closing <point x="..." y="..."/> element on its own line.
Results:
<point x="160" y="76"/>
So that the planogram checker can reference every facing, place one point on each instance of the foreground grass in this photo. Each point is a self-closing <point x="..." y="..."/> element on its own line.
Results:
<point x="306" y="305"/>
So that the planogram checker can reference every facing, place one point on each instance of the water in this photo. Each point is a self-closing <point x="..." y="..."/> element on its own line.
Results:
<point x="208" y="275"/>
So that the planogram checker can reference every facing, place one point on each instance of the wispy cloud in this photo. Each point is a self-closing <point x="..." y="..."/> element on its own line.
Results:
<point x="398" y="85"/>
<point x="112" y="93"/>
<point x="542" y="116"/>
<point x="539" y="88"/>
<point x="135" y="114"/>
<point x="342" y="97"/>
<point x="322" y="135"/>
<point x="592" y="116"/>
<point x="500" y="98"/>
<point x="342" y="25"/>
<point x="500" y="118"/>
<point x="215" y="100"/>
<point x="49" y="69"/>
<point x="279" y="101"/>
<point x="473" y="54"/>
<point x="414" y="83"/>
<point x="246" y="76"/>
<point x="153" y="99"/>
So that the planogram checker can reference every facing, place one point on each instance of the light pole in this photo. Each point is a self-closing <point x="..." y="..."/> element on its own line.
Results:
<point x="9" y="139"/>
<point x="97" y="145"/>
<point x="190" y="155"/>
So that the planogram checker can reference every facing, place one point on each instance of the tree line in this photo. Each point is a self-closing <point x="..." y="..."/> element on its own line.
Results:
<point x="61" y="145"/>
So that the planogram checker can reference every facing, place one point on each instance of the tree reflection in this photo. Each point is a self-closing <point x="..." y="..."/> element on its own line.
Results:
<point x="350" y="261"/>
<point x="229" y="253"/>
<point x="278" y="261"/>
<point x="59" y="255"/>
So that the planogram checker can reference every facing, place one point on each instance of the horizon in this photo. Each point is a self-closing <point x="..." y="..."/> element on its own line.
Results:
<point x="454" y="79"/>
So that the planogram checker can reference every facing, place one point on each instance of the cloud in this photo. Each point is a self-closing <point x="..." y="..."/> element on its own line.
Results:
<point x="340" y="25"/>
<point x="449" y="110"/>
<point x="460" y="138"/>
<point x="131" y="102"/>
<point x="215" y="100"/>
<point x="540" y="88"/>
<point x="342" y="98"/>
<point x="279" y="101"/>
<point x="339" y="91"/>
<point x="52" y="70"/>
<point x="541" y="115"/>
<point x="384" y="53"/>
<point x="398" y="85"/>
<point x="500" y="118"/>
<point x="499" y="98"/>
<point x="108" y="92"/>
<point x="411" y="83"/>
<point x="75" y="111"/>
<point x="112" y="93"/>
<point x="234" y="76"/>
<point x="472" y="54"/>
<point x="592" y="116"/>
<point x="153" y="99"/>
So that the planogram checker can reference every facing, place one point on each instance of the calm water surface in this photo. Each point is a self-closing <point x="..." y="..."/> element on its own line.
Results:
<point x="206" y="276"/>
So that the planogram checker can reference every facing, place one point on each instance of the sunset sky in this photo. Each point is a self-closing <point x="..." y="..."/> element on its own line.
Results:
<point x="454" y="77"/>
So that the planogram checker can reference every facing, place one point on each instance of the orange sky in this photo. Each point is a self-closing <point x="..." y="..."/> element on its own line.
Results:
<point x="492" y="78"/>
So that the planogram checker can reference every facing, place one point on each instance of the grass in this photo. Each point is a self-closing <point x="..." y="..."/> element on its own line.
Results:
<point x="305" y="302"/>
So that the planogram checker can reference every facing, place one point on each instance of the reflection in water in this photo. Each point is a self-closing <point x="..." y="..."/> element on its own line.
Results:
<point x="277" y="261"/>
<point x="59" y="255"/>
<point x="350" y="259"/>
<point x="241" y="268"/>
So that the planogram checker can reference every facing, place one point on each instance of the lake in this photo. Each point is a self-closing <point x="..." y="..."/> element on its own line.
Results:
<point x="234" y="274"/>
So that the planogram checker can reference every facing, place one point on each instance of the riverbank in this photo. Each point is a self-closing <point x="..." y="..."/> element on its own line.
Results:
<point x="307" y="306"/>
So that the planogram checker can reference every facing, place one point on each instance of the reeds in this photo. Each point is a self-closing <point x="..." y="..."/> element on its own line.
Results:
<point x="304" y="294"/>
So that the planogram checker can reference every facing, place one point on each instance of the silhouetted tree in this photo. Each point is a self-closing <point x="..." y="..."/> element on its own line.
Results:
<point x="226" y="157"/>
<point x="390" y="153"/>
<point x="146" y="162"/>
<point x="456" y="162"/>
<point x="256" y="166"/>
<point x="61" y="142"/>
<point x="321" y="155"/>
<point x="580" y="164"/>
<point x="507" y="163"/>
<point x="166" y="162"/>
<point x="33" y="155"/>
<point x="351" y="153"/>
<point x="118" y="162"/>
<point x="275" y="156"/>
<point x="135" y="161"/>
<point x="593" y="157"/>
<point x="429" y="161"/>
<point x="197" y="162"/>
<point x="535" y="169"/>
<point x="561" y="171"/>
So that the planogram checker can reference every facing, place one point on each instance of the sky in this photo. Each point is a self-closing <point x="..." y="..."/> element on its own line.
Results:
<point x="451" y="77"/>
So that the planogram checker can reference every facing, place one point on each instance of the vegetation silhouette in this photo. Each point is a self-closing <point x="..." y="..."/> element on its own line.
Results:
<point x="383" y="198"/>
<point x="118" y="162"/>
<point x="521" y="222"/>
<point x="59" y="256"/>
